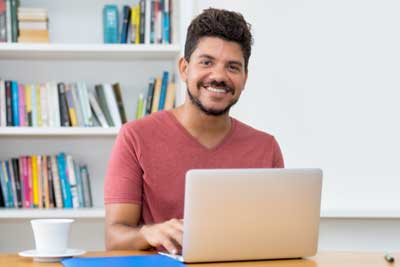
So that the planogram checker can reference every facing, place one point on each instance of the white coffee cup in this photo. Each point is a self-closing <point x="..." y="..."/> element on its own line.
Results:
<point x="51" y="235"/>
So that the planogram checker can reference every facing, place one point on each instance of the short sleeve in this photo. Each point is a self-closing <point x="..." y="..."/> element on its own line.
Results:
<point x="277" y="155"/>
<point x="124" y="177"/>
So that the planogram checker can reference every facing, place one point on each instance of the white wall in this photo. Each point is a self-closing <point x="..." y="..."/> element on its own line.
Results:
<point x="323" y="78"/>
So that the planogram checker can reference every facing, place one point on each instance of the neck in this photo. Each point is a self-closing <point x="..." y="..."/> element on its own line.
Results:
<point x="195" y="120"/>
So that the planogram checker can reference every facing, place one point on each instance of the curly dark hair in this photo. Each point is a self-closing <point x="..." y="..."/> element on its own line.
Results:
<point x="228" y="25"/>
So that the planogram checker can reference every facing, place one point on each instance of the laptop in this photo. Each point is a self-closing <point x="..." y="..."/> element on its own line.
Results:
<point x="250" y="214"/>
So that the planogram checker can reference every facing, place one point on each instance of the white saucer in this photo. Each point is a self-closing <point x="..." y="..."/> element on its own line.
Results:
<point x="45" y="257"/>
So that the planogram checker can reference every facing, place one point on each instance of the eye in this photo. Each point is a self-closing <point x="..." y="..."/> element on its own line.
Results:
<point x="206" y="62"/>
<point x="234" y="68"/>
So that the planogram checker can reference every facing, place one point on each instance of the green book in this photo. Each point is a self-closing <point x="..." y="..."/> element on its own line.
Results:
<point x="139" y="109"/>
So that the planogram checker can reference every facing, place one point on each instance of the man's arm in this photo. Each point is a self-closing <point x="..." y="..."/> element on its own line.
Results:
<point x="123" y="232"/>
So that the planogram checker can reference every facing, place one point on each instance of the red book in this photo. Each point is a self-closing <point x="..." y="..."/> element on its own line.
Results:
<point x="23" y="165"/>
<point x="21" y="105"/>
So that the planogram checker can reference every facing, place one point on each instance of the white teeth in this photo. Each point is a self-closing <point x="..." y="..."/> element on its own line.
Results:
<point x="215" y="90"/>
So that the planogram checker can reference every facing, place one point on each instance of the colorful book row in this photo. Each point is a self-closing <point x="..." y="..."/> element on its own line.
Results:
<point x="160" y="96"/>
<point x="54" y="104"/>
<point x="148" y="22"/>
<point x="41" y="181"/>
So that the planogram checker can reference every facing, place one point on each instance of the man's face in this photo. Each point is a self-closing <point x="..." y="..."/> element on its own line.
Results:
<point x="215" y="75"/>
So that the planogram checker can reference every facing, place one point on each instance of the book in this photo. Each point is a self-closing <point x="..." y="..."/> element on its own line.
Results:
<point x="87" y="192"/>
<point x="30" y="180"/>
<point x="139" y="108"/>
<point x="135" y="24"/>
<point x="32" y="25"/>
<point x="3" y="22"/>
<point x="22" y="105"/>
<point x="28" y="104"/>
<point x="50" y="181"/>
<point x="166" y="22"/>
<point x="3" y="184"/>
<point x="38" y="106"/>
<point x="77" y="105"/>
<point x="34" y="106"/>
<point x="163" y="92"/>
<point x="71" y="105"/>
<point x="12" y="183"/>
<point x="110" y="24"/>
<point x="72" y="181"/>
<point x="7" y="177"/>
<point x="65" y="187"/>
<point x="79" y="185"/>
<point x="56" y="183"/>
<point x="23" y="165"/>
<point x="170" y="98"/>
<point x="62" y="99"/>
<point x="14" y="103"/>
<point x="120" y="103"/>
<point x="9" y="110"/>
<point x="85" y="104"/>
<point x="17" y="180"/>
<point x="45" y="184"/>
<point x="112" y="104"/>
<point x="125" y="24"/>
<point x="39" y="169"/>
<point x="35" y="185"/>
<point x="147" y="21"/>
<point x="150" y="91"/>
<point x="96" y="110"/>
<point x="3" y="118"/>
<point x="14" y="23"/>
<point x="156" y="95"/>
<point x="102" y="100"/>
<point x="8" y="21"/>
<point x="44" y="106"/>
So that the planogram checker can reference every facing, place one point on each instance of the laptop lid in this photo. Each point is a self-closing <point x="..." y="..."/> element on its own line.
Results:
<point x="250" y="214"/>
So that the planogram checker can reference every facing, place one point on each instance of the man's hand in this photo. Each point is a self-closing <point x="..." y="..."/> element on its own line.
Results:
<point x="167" y="234"/>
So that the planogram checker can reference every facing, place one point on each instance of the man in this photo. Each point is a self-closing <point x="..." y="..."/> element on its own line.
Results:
<point x="144" y="187"/>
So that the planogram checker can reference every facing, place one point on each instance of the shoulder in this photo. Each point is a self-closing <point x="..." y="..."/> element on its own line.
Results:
<point x="147" y="124"/>
<point x="245" y="131"/>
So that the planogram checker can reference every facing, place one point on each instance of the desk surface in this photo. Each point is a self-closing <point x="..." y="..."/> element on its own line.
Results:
<point x="323" y="259"/>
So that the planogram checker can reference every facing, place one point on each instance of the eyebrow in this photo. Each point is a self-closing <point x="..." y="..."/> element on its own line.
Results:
<point x="230" y="61"/>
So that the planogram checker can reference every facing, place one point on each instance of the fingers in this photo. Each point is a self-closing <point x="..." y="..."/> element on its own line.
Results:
<point x="168" y="234"/>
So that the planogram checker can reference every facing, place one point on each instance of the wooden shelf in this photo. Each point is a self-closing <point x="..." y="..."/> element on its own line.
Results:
<point x="52" y="213"/>
<point x="88" y="51"/>
<point x="58" y="131"/>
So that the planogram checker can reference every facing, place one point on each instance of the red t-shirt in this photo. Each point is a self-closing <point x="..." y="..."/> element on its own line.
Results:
<point x="151" y="156"/>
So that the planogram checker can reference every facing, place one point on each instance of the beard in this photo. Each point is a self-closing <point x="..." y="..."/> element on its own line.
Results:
<point x="209" y="111"/>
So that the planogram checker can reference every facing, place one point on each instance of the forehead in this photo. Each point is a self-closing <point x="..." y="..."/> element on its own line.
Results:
<point x="219" y="49"/>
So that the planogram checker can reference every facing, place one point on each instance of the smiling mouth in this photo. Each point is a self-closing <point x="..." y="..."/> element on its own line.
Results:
<point x="219" y="90"/>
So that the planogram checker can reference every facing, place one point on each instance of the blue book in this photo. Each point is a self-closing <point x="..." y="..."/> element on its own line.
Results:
<point x="163" y="93"/>
<point x="14" y="103"/>
<point x="79" y="184"/>
<point x="10" y="196"/>
<point x="125" y="24"/>
<point x="166" y="23"/>
<point x="65" y="186"/>
<point x="3" y="184"/>
<point x="110" y="24"/>
<point x="124" y="261"/>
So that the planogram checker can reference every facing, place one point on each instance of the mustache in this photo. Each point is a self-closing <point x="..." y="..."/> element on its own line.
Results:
<point x="216" y="84"/>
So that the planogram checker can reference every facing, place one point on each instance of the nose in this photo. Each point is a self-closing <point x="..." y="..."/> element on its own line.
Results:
<point x="218" y="73"/>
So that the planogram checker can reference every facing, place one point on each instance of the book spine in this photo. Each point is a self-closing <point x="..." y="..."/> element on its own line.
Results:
<point x="50" y="105"/>
<point x="9" y="113"/>
<point x="3" y="115"/>
<point x="110" y="24"/>
<point x="38" y="106"/>
<point x="22" y="176"/>
<point x="170" y="98"/>
<point x="21" y="105"/>
<point x="79" y="185"/>
<point x="112" y="104"/>
<point x="103" y="104"/>
<point x="35" y="184"/>
<point x="64" y="113"/>
<point x="3" y="22"/>
<point x="14" y="103"/>
<point x="150" y="92"/>
<point x="40" y="180"/>
<point x="44" y="105"/>
<point x="72" y="181"/>
<point x="56" y="183"/>
<point x="56" y="104"/>
<point x="152" y="21"/>
<point x="142" y="24"/>
<point x="3" y="183"/>
<point x="96" y="109"/>
<point x="71" y="106"/>
<point x="17" y="179"/>
<point x="34" y="107"/>
<point x="28" y="104"/>
<point x="45" y="183"/>
<point x="139" y="108"/>
<point x="2" y="196"/>
<point x="147" y="22"/>
<point x="14" y="22"/>
<point x="30" y="181"/>
<point x="125" y="24"/>
<point x="120" y="103"/>
<point x="87" y="193"/>
<point x="12" y="187"/>
<point x="6" y="171"/>
<point x="156" y="96"/>
<point x="166" y="23"/>
<point x="65" y="187"/>
<point x="163" y="92"/>
<point x="77" y="105"/>
<point x="50" y="177"/>
<point x="8" y="21"/>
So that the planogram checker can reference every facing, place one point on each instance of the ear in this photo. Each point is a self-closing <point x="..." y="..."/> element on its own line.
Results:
<point x="183" y="66"/>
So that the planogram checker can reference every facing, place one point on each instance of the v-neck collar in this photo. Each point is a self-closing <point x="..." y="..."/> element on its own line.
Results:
<point x="195" y="141"/>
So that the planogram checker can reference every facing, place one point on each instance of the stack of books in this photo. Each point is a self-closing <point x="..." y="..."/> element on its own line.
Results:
<point x="33" y="25"/>
<point x="40" y="181"/>
<point x="148" y="22"/>
<point x="160" y="96"/>
<point x="54" y="104"/>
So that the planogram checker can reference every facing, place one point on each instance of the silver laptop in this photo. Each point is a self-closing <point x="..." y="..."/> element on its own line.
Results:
<point x="250" y="214"/>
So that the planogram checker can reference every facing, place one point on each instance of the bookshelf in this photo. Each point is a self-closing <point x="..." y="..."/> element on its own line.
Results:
<point x="76" y="53"/>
